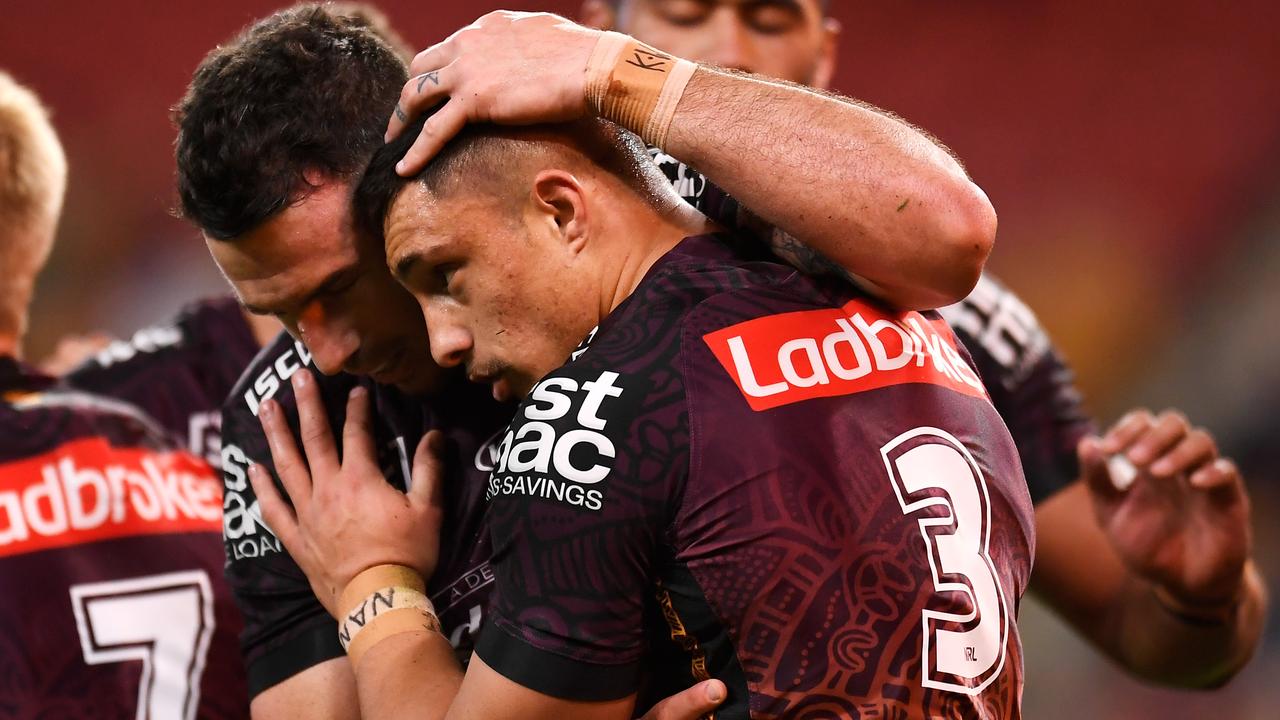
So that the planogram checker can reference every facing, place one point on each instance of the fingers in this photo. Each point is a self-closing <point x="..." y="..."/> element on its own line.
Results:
<point x="427" y="482"/>
<point x="690" y="704"/>
<point x="357" y="433"/>
<point x="1094" y="469"/>
<point x="1221" y="473"/>
<point x="439" y="129"/>
<point x="275" y="511"/>
<point x="1126" y="430"/>
<point x="1194" y="450"/>
<point x="424" y="76"/>
<point x="290" y="467"/>
<point x="313" y="426"/>
<point x="1165" y="433"/>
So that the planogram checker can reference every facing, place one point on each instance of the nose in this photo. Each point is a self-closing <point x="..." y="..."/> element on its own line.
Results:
<point x="451" y="342"/>
<point x="729" y="41"/>
<point x="332" y="343"/>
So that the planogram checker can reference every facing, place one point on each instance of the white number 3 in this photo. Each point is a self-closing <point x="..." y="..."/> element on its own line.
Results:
<point x="166" y="621"/>
<point x="963" y="652"/>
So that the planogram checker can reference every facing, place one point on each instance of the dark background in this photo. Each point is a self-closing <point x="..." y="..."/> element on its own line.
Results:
<point x="1132" y="151"/>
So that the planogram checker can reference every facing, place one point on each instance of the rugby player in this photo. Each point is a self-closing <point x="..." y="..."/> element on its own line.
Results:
<point x="181" y="371"/>
<point x="730" y="474"/>
<point x="350" y="313"/>
<point x="113" y="604"/>
<point x="1106" y="562"/>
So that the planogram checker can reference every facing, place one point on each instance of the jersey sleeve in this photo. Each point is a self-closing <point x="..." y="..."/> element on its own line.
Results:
<point x="1030" y="384"/>
<point x="286" y="628"/>
<point x="578" y="502"/>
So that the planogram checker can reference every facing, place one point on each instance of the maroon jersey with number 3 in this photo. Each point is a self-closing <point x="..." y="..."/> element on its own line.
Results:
<point x="752" y="475"/>
<point x="112" y="603"/>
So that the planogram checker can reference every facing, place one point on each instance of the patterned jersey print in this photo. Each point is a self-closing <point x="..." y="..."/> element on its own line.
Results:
<point x="770" y="480"/>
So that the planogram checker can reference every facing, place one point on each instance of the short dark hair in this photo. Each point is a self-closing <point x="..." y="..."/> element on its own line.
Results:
<point x="483" y="152"/>
<point x="309" y="88"/>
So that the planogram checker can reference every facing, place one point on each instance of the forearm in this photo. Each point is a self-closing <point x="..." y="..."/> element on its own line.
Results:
<point x="1181" y="650"/>
<point x="866" y="190"/>
<point x="412" y="674"/>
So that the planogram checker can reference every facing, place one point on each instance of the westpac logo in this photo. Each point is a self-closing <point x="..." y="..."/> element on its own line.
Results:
<point x="782" y="359"/>
<point x="560" y="446"/>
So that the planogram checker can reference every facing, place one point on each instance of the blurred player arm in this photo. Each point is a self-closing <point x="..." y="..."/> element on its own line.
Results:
<point x="866" y="190"/>
<point x="1158" y="574"/>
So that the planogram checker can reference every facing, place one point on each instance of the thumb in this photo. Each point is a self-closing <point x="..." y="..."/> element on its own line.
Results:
<point x="1096" y="470"/>
<point x="426" y="484"/>
<point x="690" y="704"/>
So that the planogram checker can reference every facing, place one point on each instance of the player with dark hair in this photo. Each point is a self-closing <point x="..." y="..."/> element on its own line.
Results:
<point x="181" y="371"/>
<point x="113" y="603"/>
<point x="726" y="480"/>
<point x="1167" y="590"/>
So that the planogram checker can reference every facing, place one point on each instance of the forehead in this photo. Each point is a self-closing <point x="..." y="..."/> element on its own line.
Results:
<point x="294" y="251"/>
<point x="418" y="222"/>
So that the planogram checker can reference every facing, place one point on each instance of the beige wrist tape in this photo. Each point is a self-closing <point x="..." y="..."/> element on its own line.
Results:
<point x="636" y="86"/>
<point x="382" y="601"/>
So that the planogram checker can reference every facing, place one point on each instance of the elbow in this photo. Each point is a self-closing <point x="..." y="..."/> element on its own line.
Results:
<point x="967" y="234"/>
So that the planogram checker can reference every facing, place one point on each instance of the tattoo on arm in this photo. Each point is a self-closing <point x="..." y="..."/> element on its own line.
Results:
<point x="433" y="76"/>
<point x="400" y="114"/>
<point x="804" y="258"/>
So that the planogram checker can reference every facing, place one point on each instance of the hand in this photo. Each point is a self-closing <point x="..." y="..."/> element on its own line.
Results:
<point x="345" y="517"/>
<point x="1183" y="524"/>
<point x="509" y="68"/>
<point x="690" y="704"/>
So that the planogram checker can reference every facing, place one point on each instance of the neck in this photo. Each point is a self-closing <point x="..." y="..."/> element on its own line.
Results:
<point x="639" y="236"/>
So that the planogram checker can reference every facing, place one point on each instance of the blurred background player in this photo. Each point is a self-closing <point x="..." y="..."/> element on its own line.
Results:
<point x="113" y="601"/>
<point x="1111" y="565"/>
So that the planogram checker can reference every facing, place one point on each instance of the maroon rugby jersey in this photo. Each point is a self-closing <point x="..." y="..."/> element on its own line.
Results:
<point x="287" y="630"/>
<point x="756" y="476"/>
<point x="179" y="373"/>
<point x="113" y="605"/>
<point x="1030" y="384"/>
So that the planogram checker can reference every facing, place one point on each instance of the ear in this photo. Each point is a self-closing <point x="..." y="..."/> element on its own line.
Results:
<point x="828" y="54"/>
<point x="559" y="199"/>
<point x="598" y="14"/>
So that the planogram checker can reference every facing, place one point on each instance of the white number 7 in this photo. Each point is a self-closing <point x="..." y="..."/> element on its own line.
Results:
<point x="166" y="621"/>
<point x="963" y="652"/>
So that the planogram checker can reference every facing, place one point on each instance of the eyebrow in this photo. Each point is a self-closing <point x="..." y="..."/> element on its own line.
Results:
<point x="332" y="280"/>
<point x="404" y="266"/>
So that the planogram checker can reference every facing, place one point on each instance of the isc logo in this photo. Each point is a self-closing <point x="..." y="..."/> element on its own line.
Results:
<point x="268" y="382"/>
<point x="558" y="436"/>
<point x="782" y="359"/>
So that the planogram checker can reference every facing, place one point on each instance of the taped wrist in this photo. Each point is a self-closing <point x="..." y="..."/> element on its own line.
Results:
<point x="382" y="601"/>
<point x="636" y="86"/>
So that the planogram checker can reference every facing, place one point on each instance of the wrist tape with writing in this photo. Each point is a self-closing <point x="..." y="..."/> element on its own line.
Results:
<point x="636" y="86"/>
<point x="382" y="601"/>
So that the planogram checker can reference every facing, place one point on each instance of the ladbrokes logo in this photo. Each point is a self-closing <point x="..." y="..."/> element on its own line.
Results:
<point x="782" y="359"/>
<point x="559" y="447"/>
<point x="87" y="491"/>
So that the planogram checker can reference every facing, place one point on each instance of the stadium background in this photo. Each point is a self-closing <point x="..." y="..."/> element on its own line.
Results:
<point x="1131" y="149"/>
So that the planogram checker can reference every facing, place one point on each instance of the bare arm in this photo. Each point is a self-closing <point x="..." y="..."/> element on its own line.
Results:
<point x="1158" y="575"/>
<point x="867" y="191"/>
<point x="324" y="692"/>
